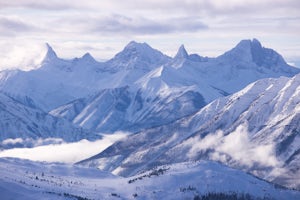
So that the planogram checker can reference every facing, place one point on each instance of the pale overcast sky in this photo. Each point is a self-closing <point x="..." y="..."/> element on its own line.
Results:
<point x="103" y="28"/>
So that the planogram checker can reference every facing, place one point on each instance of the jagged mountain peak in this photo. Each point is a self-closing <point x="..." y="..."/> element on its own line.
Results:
<point x="88" y="57"/>
<point x="255" y="42"/>
<point x="245" y="46"/>
<point x="181" y="53"/>
<point x="251" y="46"/>
<point x="252" y="51"/>
<point x="50" y="55"/>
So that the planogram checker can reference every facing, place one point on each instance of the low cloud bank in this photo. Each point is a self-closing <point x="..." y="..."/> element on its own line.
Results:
<point x="62" y="152"/>
<point x="28" y="142"/>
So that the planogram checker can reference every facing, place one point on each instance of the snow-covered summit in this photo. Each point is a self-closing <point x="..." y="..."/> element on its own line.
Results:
<point x="137" y="56"/>
<point x="252" y="52"/>
<point x="243" y="51"/>
<point x="86" y="61"/>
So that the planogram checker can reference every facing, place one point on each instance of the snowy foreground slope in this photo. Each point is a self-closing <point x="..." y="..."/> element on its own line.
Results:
<point x="256" y="129"/>
<point x="21" y="179"/>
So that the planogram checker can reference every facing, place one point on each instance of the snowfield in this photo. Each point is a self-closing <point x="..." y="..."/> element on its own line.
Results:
<point x="23" y="179"/>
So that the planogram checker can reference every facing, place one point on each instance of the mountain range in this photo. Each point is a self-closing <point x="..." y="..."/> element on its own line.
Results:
<point x="240" y="109"/>
<point x="140" y="87"/>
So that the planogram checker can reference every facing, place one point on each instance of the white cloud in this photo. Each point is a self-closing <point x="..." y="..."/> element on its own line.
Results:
<point x="63" y="152"/>
<point x="116" y="24"/>
<point x="238" y="146"/>
<point x="22" y="55"/>
<point x="12" y="141"/>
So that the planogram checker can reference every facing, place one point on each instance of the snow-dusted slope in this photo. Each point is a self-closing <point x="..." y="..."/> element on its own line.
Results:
<point x="255" y="129"/>
<point x="20" y="121"/>
<point x="20" y="179"/>
<point x="130" y="109"/>
<point x="175" y="89"/>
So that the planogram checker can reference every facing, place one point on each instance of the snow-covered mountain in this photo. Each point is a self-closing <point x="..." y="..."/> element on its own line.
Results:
<point x="22" y="122"/>
<point x="255" y="129"/>
<point x="21" y="179"/>
<point x="58" y="81"/>
<point x="175" y="89"/>
<point x="130" y="109"/>
<point x="182" y="109"/>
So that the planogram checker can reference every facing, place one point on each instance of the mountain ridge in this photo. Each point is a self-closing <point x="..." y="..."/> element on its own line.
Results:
<point x="158" y="89"/>
<point x="153" y="80"/>
<point x="20" y="122"/>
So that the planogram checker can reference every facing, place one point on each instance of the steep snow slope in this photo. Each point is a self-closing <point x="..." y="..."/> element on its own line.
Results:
<point x="20" y="121"/>
<point x="176" y="89"/>
<point x="130" y="109"/>
<point x="255" y="129"/>
<point x="20" y="179"/>
<point x="60" y="81"/>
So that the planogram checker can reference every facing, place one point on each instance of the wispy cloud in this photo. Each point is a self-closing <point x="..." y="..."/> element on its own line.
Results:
<point x="117" y="24"/>
<point x="47" y="5"/>
<point x="235" y="147"/>
<point x="11" y="26"/>
<point x="213" y="7"/>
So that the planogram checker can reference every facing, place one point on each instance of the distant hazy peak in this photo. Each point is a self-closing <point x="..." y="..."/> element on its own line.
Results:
<point x="256" y="42"/>
<point x="249" y="43"/>
<point x="134" y="49"/>
<point x="88" y="57"/>
<point x="50" y="55"/>
<point x="181" y="53"/>
<point x="253" y="51"/>
<point x="133" y="45"/>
